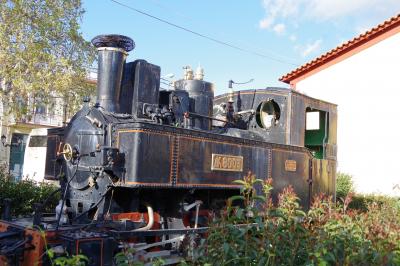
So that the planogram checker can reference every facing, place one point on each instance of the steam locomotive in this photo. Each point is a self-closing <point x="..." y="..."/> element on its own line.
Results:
<point x="146" y="166"/>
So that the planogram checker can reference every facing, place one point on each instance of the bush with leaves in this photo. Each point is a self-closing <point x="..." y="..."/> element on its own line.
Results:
<point x="25" y="193"/>
<point x="344" y="185"/>
<point x="328" y="234"/>
<point x="129" y="257"/>
<point x="362" y="201"/>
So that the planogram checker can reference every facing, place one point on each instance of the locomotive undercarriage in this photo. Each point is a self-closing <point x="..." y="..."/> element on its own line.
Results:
<point x="122" y="203"/>
<point x="150" y="223"/>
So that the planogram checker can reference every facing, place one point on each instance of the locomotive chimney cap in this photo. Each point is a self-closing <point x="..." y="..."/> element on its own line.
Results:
<point x="115" y="41"/>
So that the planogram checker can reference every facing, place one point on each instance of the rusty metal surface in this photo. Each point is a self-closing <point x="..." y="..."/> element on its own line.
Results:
<point x="323" y="176"/>
<point x="298" y="179"/>
<point x="182" y="158"/>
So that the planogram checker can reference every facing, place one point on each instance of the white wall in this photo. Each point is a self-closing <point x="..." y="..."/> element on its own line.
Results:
<point x="367" y="90"/>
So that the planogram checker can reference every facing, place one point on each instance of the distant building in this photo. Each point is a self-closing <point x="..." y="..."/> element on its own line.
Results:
<point x="15" y="131"/>
<point x="360" y="76"/>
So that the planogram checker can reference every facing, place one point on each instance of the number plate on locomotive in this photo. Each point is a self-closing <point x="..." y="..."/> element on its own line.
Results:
<point x="290" y="165"/>
<point x="222" y="162"/>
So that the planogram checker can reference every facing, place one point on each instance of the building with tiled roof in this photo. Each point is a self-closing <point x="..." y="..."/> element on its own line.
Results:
<point x="360" y="76"/>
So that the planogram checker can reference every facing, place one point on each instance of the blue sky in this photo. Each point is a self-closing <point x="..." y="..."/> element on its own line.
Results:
<point x="287" y="33"/>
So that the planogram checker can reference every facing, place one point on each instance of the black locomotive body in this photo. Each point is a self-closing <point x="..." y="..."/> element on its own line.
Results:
<point x="162" y="159"/>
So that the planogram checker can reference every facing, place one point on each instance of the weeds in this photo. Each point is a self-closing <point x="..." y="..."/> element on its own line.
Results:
<point x="65" y="259"/>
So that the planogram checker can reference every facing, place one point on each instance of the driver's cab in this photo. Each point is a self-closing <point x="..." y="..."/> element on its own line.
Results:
<point x="285" y="116"/>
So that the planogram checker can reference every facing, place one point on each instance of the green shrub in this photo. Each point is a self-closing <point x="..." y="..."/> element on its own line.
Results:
<point x="362" y="202"/>
<point x="24" y="194"/>
<point x="344" y="185"/>
<point x="328" y="234"/>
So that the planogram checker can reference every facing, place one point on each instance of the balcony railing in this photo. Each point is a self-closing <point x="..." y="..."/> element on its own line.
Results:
<point x="41" y="119"/>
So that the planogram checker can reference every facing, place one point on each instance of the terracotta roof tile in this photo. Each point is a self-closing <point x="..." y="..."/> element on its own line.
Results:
<point x="343" y="48"/>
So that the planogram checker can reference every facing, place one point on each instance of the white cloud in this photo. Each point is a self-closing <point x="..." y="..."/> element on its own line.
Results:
<point x="326" y="9"/>
<point x="265" y="23"/>
<point x="311" y="48"/>
<point x="279" y="28"/>
<point x="275" y="9"/>
<point x="281" y="8"/>
<point x="291" y="15"/>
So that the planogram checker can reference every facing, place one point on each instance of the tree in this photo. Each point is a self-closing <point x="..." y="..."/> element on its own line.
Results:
<point x="42" y="52"/>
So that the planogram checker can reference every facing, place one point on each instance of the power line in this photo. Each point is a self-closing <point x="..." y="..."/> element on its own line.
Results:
<point x="170" y="10"/>
<point x="237" y="40"/>
<point x="202" y="35"/>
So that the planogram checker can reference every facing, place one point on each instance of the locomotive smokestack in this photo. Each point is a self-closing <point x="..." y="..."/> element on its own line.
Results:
<point x="113" y="50"/>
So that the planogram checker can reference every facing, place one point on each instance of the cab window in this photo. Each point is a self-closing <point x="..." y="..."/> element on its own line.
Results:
<point x="317" y="129"/>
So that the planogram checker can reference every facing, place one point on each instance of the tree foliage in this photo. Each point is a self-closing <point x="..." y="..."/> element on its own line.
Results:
<point x="42" y="52"/>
